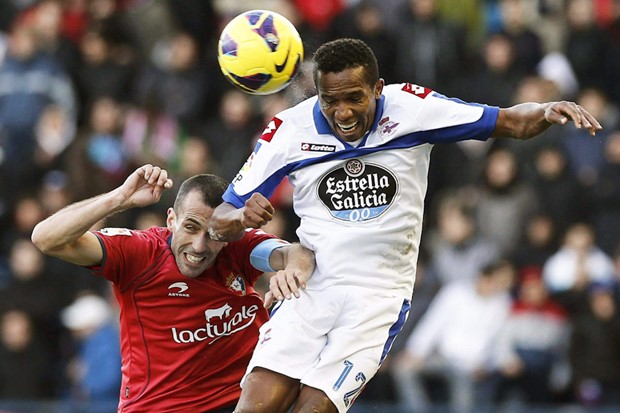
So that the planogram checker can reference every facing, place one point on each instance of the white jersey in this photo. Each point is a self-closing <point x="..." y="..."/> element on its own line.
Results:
<point x="361" y="207"/>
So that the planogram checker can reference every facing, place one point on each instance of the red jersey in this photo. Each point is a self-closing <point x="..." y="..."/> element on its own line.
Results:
<point x="185" y="343"/>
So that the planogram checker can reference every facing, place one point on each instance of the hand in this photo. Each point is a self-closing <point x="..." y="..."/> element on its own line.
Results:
<point x="284" y="284"/>
<point x="562" y="112"/>
<point x="257" y="211"/>
<point x="145" y="186"/>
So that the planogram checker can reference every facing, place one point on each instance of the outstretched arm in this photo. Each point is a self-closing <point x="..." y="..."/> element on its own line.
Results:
<point x="228" y="222"/>
<point x="526" y="120"/>
<point x="65" y="234"/>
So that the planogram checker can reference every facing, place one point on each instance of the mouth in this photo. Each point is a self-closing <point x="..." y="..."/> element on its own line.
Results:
<point x="193" y="259"/>
<point x="348" y="129"/>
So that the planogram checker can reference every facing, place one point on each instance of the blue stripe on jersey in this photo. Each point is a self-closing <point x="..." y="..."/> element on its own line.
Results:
<point x="479" y="130"/>
<point x="395" y="329"/>
<point x="275" y="308"/>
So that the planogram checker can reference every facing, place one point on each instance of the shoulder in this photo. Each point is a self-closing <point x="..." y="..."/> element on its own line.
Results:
<point x="156" y="236"/>
<point x="299" y="115"/>
<point x="290" y="122"/>
<point x="409" y="98"/>
<point x="407" y="93"/>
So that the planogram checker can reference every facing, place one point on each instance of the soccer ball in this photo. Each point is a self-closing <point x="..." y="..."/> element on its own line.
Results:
<point x="260" y="52"/>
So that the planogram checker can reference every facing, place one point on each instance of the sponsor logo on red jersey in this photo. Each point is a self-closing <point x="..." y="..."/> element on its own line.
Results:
<point x="220" y="322"/>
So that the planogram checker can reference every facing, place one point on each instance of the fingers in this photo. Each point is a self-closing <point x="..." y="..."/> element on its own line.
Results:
<point x="269" y="300"/>
<point x="563" y="111"/>
<point x="285" y="285"/>
<point x="156" y="177"/>
<point x="591" y="123"/>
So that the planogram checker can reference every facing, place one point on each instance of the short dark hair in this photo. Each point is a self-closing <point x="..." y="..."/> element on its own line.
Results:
<point x="210" y="186"/>
<point x="342" y="54"/>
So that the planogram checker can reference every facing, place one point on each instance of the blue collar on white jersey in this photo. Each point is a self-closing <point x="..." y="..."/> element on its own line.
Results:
<point x="322" y="127"/>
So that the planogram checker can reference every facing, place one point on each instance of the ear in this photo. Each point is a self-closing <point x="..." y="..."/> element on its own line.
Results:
<point x="379" y="88"/>
<point x="171" y="218"/>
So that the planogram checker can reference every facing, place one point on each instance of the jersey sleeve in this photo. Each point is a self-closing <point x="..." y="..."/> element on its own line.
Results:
<point x="266" y="166"/>
<point x="126" y="255"/>
<point x="243" y="248"/>
<point x="442" y="120"/>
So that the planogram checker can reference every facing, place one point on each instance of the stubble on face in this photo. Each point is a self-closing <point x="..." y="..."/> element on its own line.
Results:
<point x="348" y="102"/>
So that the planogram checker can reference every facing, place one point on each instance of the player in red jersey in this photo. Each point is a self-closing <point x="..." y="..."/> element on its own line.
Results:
<point x="189" y="314"/>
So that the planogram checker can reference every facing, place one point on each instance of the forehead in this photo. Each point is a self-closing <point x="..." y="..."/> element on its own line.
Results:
<point x="349" y="80"/>
<point x="194" y="208"/>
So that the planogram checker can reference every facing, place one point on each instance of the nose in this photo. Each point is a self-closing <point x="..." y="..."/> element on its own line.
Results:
<point x="200" y="242"/>
<point x="343" y="112"/>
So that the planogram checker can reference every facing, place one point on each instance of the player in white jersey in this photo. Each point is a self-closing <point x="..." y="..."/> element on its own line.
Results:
<point x="357" y="156"/>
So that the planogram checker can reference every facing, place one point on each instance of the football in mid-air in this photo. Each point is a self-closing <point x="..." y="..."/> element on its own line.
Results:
<point x="260" y="52"/>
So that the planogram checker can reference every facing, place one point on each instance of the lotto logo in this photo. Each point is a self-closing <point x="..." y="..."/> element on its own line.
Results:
<point x="271" y="129"/>
<point x="314" y="147"/>
<point x="419" y="91"/>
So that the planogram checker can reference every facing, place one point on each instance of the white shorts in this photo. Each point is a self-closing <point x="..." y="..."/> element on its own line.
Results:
<point x="333" y="340"/>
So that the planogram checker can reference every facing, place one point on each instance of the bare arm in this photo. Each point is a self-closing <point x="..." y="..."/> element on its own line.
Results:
<point x="295" y="264"/>
<point x="228" y="222"/>
<point x="65" y="234"/>
<point x="526" y="120"/>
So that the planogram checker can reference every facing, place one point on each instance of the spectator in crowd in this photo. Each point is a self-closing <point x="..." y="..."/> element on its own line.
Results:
<point x="102" y="72"/>
<point x="98" y="162"/>
<point x="612" y="62"/>
<point x="454" y="340"/>
<point x="53" y="133"/>
<point x="365" y="21"/>
<point x="195" y="157"/>
<point x="584" y="39"/>
<point x="495" y="80"/>
<point x="36" y="80"/>
<point x="150" y="134"/>
<point x="110" y="18"/>
<point x="586" y="156"/>
<point x="605" y="197"/>
<point x="595" y="348"/>
<point x="504" y="201"/>
<point x="574" y="266"/>
<point x="455" y="167"/>
<point x="559" y="193"/>
<point x="26" y="365"/>
<point x="27" y="211"/>
<point x="232" y="134"/>
<point x="29" y="290"/>
<point x="459" y="252"/>
<point x="538" y="244"/>
<point x="436" y="67"/>
<point x="517" y="18"/>
<point x="47" y="19"/>
<point x="95" y="372"/>
<point x="532" y="342"/>
<point x="175" y="80"/>
<point x="578" y="262"/>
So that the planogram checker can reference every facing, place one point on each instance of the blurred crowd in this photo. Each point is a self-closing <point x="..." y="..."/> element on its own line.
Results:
<point x="516" y="299"/>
